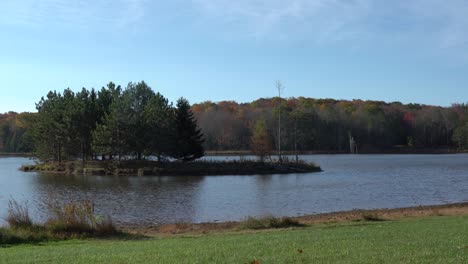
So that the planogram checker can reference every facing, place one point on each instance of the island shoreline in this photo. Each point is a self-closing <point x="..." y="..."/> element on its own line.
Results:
<point x="155" y="168"/>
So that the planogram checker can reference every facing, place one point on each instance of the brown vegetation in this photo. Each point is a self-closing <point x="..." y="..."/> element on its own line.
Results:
<point x="65" y="219"/>
<point x="337" y="217"/>
<point x="78" y="218"/>
<point x="18" y="215"/>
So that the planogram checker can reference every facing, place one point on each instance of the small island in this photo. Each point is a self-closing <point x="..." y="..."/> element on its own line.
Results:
<point x="155" y="168"/>
<point x="135" y="131"/>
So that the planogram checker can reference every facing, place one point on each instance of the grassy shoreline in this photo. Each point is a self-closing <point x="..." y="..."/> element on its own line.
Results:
<point x="341" y="217"/>
<point x="154" y="168"/>
<point x="357" y="215"/>
<point x="423" y="240"/>
<point x="435" y="234"/>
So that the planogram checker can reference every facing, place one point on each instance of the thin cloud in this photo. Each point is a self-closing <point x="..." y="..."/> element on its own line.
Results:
<point x="448" y="21"/>
<point x="436" y="25"/>
<point x="265" y="17"/>
<point x="84" y="14"/>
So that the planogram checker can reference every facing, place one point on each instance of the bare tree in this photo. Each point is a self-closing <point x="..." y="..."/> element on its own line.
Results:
<point x="280" y="88"/>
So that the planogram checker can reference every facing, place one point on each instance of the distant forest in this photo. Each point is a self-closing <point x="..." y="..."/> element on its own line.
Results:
<point x="326" y="125"/>
<point x="307" y="124"/>
<point x="13" y="132"/>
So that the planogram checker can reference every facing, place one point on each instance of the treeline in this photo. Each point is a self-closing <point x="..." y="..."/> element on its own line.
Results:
<point x="136" y="122"/>
<point x="327" y="125"/>
<point x="14" y="136"/>
<point x="114" y="123"/>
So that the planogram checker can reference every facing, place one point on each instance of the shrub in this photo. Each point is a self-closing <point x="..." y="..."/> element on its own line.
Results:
<point x="18" y="215"/>
<point x="72" y="217"/>
<point x="27" y="167"/>
<point x="7" y="238"/>
<point x="289" y="222"/>
<point x="105" y="226"/>
<point x="35" y="234"/>
<point x="269" y="222"/>
<point x="253" y="223"/>
<point x="372" y="217"/>
<point x="66" y="221"/>
<point x="78" y="218"/>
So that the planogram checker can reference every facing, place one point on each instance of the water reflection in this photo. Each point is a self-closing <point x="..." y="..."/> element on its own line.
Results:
<point x="132" y="199"/>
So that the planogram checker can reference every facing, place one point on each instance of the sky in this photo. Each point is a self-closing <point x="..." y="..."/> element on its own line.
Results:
<point x="408" y="51"/>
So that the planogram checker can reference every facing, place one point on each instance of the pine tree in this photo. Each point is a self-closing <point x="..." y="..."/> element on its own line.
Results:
<point x="111" y="137"/>
<point x="188" y="137"/>
<point x="159" y="123"/>
<point x="49" y="129"/>
<point x="137" y="96"/>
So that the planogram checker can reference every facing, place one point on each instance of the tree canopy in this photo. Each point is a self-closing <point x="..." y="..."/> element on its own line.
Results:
<point x="130" y="123"/>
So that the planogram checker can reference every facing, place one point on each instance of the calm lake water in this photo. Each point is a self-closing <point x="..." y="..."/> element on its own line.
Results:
<point x="348" y="182"/>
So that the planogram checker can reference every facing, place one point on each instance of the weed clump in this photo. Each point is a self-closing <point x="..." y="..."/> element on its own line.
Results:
<point x="269" y="223"/>
<point x="66" y="220"/>
<point x="372" y="217"/>
<point x="105" y="226"/>
<point x="18" y="215"/>
<point x="78" y="218"/>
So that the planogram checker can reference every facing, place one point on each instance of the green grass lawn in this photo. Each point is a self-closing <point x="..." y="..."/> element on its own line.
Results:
<point x="429" y="240"/>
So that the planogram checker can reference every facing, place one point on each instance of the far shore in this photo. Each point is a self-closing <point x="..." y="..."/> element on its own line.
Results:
<point x="455" y="209"/>
<point x="8" y="154"/>
<point x="408" y="151"/>
<point x="217" y="153"/>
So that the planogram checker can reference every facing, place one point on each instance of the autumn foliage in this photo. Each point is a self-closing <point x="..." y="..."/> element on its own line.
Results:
<point x="326" y="124"/>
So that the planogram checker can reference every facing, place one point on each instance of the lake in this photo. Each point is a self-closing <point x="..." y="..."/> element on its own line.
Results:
<point x="348" y="182"/>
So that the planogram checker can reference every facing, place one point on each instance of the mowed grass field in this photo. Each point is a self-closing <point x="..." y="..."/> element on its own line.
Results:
<point x="426" y="240"/>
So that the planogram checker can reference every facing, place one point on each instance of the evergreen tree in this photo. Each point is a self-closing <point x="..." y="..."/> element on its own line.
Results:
<point x="102" y="143"/>
<point x="159" y="126"/>
<point x="137" y="97"/>
<point x="188" y="137"/>
<point x="72" y="110"/>
<point x="49" y="129"/>
<point x="105" y="98"/>
<point x="111" y="137"/>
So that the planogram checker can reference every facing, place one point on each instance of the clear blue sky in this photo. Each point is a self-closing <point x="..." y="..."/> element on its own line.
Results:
<point x="409" y="51"/>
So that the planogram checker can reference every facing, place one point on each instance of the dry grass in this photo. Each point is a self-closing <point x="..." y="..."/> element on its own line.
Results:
<point x="67" y="220"/>
<point x="18" y="215"/>
<point x="71" y="217"/>
<point x="78" y="217"/>
<point x="105" y="226"/>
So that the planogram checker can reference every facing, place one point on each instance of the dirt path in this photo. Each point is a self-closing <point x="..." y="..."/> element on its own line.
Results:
<point x="336" y="217"/>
